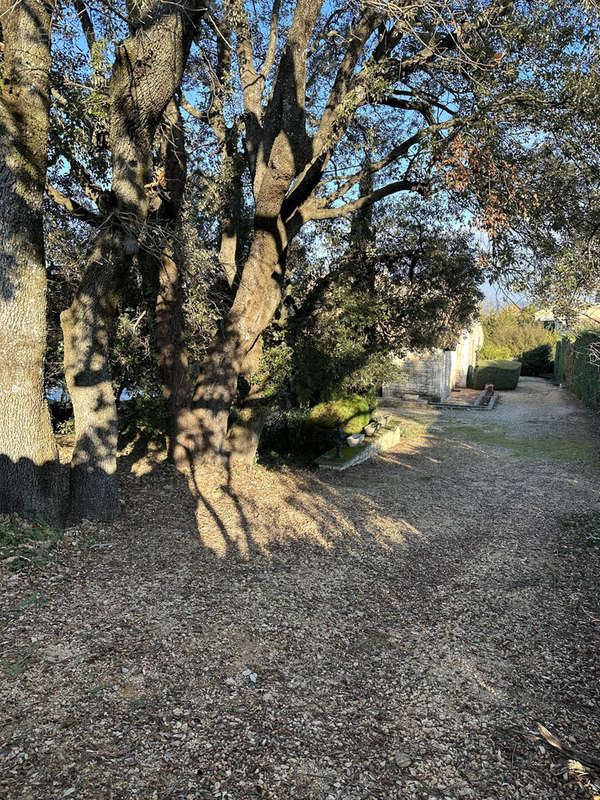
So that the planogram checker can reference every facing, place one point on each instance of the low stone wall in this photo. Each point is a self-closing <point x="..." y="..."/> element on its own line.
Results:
<point x="433" y="375"/>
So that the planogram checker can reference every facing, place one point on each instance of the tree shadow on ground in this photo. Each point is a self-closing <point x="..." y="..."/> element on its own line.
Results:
<point x="244" y="513"/>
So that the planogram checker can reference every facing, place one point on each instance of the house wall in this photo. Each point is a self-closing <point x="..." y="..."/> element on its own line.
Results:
<point x="434" y="374"/>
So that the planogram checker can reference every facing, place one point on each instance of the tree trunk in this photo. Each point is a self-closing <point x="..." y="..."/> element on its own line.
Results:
<point x="172" y="352"/>
<point x="277" y="151"/>
<point x="203" y="427"/>
<point x="243" y="436"/>
<point x="94" y="489"/>
<point x="165" y="273"/>
<point x="146" y="73"/>
<point x="29" y="469"/>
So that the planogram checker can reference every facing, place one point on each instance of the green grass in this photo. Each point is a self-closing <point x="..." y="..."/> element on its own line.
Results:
<point x="28" y="600"/>
<point x="26" y="544"/>
<point x="574" y="447"/>
<point x="585" y="527"/>
<point x="14" y="665"/>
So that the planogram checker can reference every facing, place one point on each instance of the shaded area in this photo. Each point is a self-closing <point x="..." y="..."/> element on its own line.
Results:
<point x="429" y="602"/>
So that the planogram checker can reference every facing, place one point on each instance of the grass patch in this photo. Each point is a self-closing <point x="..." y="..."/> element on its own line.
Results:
<point x="565" y="448"/>
<point x="585" y="527"/>
<point x="14" y="664"/>
<point x="26" y="544"/>
<point x="28" y="600"/>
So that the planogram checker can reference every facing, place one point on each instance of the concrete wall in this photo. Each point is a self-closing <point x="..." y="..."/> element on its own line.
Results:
<point x="434" y="374"/>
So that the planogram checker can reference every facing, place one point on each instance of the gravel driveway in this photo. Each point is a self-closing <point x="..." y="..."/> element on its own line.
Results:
<point x="394" y="631"/>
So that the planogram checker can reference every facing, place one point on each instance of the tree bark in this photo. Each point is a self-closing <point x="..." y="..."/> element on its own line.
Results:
<point x="277" y="151"/>
<point x="243" y="436"/>
<point x="147" y="71"/>
<point x="29" y="468"/>
<point x="203" y="426"/>
<point x="165" y="272"/>
<point x="93" y="479"/>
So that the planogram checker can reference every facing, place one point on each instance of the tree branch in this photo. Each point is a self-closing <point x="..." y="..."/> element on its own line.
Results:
<point x="312" y="212"/>
<point x="74" y="208"/>
<point x="192" y="110"/>
<point x="86" y="23"/>
<point x="270" y="54"/>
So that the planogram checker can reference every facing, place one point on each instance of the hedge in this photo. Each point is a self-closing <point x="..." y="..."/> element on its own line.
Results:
<point x="575" y="365"/>
<point x="503" y="374"/>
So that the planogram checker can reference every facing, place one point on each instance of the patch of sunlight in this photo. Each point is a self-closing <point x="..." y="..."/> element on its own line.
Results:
<point x="573" y="446"/>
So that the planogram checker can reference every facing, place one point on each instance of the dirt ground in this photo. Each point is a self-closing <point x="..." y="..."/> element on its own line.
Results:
<point x="394" y="631"/>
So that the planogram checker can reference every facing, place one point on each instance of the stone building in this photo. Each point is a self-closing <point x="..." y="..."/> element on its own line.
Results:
<point x="434" y="374"/>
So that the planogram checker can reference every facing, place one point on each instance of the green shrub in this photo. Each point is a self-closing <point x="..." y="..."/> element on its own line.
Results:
<point x="493" y="352"/>
<point x="536" y="361"/>
<point x="351" y="412"/>
<point x="586" y="371"/>
<point x="511" y="334"/>
<point x="143" y="413"/>
<point x="503" y="374"/>
<point x="576" y="365"/>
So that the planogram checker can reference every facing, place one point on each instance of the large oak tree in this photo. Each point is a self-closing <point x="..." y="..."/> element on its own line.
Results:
<point x="29" y="472"/>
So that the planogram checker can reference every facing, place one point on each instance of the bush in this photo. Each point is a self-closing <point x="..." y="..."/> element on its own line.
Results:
<point x="537" y="361"/>
<point x="351" y="413"/>
<point x="503" y="374"/>
<point x="144" y="413"/>
<point x="496" y="352"/>
<point x="577" y="365"/>
<point x="517" y="335"/>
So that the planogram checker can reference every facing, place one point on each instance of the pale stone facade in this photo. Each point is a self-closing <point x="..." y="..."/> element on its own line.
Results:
<point x="433" y="375"/>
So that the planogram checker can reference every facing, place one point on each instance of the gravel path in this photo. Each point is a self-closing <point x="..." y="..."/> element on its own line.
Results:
<point x="394" y="631"/>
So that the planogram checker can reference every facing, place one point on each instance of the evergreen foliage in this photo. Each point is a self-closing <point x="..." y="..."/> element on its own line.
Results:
<point x="577" y="366"/>
<point x="513" y="334"/>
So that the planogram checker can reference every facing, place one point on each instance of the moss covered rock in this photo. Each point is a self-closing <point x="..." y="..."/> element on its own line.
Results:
<point x="351" y="413"/>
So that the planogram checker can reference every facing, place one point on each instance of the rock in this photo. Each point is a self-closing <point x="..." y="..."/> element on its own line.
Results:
<point x="403" y="760"/>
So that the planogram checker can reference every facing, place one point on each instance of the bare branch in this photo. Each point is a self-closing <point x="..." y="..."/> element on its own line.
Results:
<point x="270" y="54"/>
<point x="74" y="208"/>
<point x="192" y="110"/>
<point x="312" y="212"/>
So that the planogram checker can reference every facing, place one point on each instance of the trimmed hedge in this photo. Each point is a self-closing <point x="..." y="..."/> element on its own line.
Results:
<point x="537" y="361"/>
<point x="503" y="374"/>
<point x="351" y="413"/>
<point x="576" y="366"/>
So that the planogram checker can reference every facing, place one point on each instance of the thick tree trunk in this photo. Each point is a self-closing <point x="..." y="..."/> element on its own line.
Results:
<point x="94" y="489"/>
<point x="29" y="470"/>
<point x="146" y="73"/>
<point x="164" y="272"/>
<point x="171" y="349"/>
<point x="277" y="148"/>
<point x="203" y="427"/>
<point x="243" y="436"/>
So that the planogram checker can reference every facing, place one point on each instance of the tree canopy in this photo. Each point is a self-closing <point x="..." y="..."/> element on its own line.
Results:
<point x="241" y="195"/>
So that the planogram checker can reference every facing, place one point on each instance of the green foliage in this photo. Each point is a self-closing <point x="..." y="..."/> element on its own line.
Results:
<point x="413" y="285"/>
<point x="144" y="413"/>
<point x="577" y="365"/>
<point x="26" y="545"/>
<point x="510" y="334"/>
<point x="537" y="361"/>
<point x="586" y="369"/>
<point x="495" y="352"/>
<point x="503" y="374"/>
<point x="275" y="369"/>
<point x="350" y="412"/>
